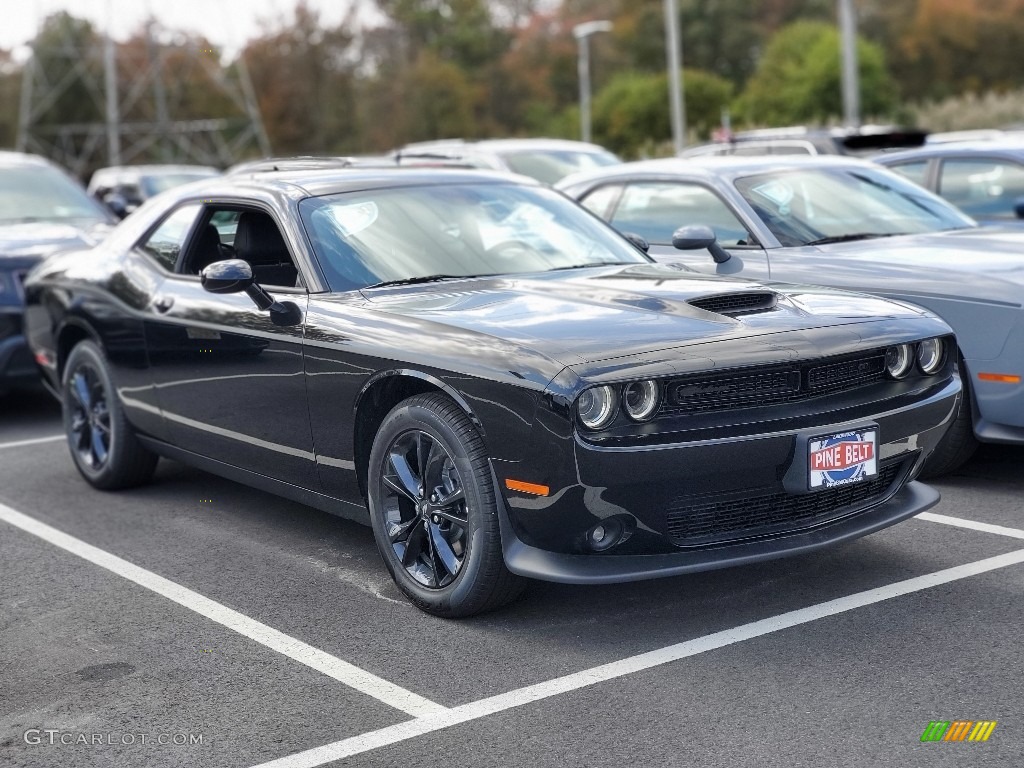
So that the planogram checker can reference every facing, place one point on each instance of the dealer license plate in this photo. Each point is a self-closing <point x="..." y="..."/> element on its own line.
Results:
<point x="847" y="457"/>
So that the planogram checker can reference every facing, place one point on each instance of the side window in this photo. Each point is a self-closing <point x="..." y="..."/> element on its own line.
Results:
<point x="166" y="242"/>
<point x="242" y="233"/>
<point x="979" y="187"/>
<point x="657" y="209"/>
<point x="601" y="200"/>
<point x="916" y="171"/>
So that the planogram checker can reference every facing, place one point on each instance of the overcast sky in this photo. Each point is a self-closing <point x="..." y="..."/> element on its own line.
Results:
<point x="226" y="23"/>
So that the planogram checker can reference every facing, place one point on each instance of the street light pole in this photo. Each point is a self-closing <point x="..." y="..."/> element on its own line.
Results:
<point x="851" y="79"/>
<point x="673" y="41"/>
<point x="582" y="33"/>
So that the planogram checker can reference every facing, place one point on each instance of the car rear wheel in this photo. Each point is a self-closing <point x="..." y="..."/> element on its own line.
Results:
<point x="102" y="442"/>
<point x="959" y="442"/>
<point x="433" y="510"/>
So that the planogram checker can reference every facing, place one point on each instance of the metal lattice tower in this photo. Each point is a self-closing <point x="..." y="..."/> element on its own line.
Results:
<point x="132" y="109"/>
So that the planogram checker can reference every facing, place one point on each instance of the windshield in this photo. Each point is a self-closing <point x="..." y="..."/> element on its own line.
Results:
<point x="815" y="205"/>
<point x="155" y="184"/>
<point x="551" y="165"/>
<point x="41" y="193"/>
<point x="384" y="235"/>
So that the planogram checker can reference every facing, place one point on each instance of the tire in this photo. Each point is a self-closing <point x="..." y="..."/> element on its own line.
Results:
<point x="959" y="443"/>
<point x="439" y="539"/>
<point x="103" y="444"/>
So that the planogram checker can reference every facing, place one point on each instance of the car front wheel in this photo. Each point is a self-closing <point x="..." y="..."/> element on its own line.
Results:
<point x="102" y="442"/>
<point x="433" y="510"/>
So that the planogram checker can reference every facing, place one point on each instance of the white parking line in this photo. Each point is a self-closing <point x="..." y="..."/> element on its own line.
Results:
<point x="33" y="441"/>
<point x="352" y="676"/>
<point x="403" y="731"/>
<point x="960" y="522"/>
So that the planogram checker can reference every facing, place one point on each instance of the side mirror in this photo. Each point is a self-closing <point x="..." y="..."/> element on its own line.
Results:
<point x="1018" y="207"/>
<point x="698" y="236"/>
<point x="228" y="276"/>
<point x="235" y="276"/>
<point x="638" y="240"/>
<point x="117" y="204"/>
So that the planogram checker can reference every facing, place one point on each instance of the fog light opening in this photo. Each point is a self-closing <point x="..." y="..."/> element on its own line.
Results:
<point x="609" y="533"/>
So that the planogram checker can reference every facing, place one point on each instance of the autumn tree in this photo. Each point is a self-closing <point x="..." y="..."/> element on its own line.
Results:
<point x="303" y="76"/>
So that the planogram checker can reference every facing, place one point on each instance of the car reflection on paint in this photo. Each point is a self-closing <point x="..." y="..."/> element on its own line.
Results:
<point x="495" y="380"/>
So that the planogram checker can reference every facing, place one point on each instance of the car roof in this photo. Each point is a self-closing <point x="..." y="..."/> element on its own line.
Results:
<point x="23" y="158"/>
<point x="158" y="168"/>
<point x="715" y="166"/>
<point x="501" y="145"/>
<point x="307" y="182"/>
<point x="1007" y="147"/>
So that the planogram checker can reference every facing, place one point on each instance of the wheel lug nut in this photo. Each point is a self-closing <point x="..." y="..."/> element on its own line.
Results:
<point x="436" y="518"/>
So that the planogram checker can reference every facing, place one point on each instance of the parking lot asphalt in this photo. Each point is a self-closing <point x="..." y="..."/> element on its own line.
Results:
<point x="811" y="661"/>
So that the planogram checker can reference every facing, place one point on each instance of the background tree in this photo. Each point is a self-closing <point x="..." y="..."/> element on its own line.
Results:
<point x="303" y="77"/>
<point x="798" y="80"/>
<point x="630" y="117"/>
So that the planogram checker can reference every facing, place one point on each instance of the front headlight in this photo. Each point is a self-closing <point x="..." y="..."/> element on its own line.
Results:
<point x="930" y="355"/>
<point x="640" y="400"/>
<point x="899" y="360"/>
<point x="596" y="407"/>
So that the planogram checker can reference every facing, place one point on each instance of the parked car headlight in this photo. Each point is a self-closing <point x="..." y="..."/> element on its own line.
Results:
<point x="930" y="355"/>
<point x="640" y="399"/>
<point x="899" y="360"/>
<point x="596" y="407"/>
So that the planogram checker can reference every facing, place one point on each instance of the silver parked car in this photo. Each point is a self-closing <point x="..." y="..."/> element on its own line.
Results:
<point x="546" y="160"/>
<point x="845" y="223"/>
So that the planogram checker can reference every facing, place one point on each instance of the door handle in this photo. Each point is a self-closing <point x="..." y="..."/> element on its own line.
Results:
<point x="163" y="303"/>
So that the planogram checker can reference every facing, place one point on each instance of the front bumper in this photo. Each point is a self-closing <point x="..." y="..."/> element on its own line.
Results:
<point x="536" y="563"/>
<point x="713" y="503"/>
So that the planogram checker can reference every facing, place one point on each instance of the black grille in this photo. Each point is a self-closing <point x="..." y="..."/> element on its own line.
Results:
<point x="846" y="374"/>
<point x="696" y="521"/>
<point x="771" y="385"/>
<point x="736" y="303"/>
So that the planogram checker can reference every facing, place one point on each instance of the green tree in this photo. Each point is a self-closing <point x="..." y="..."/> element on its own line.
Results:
<point x="799" y="78"/>
<point x="441" y="101"/>
<point x="631" y="113"/>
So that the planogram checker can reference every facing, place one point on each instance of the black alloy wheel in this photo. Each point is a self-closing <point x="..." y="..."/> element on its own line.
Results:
<point x="89" y="426"/>
<point x="424" y="508"/>
<point x="102" y="442"/>
<point x="433" y="509"/>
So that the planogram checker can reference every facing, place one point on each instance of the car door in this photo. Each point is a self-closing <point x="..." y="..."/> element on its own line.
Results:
<point x="987" y="188"/>
<point x="231" y="383"/>
<point x="655" y="209"/>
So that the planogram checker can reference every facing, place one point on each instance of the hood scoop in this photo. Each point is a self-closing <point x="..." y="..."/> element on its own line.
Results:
<point x="733" y="304"/>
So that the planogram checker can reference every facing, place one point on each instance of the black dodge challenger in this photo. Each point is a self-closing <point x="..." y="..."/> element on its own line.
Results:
<point x="497" y="381"/>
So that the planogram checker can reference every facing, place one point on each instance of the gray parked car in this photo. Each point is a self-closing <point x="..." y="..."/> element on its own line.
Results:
<point x="850" y="224"/>
<point x="984" y="179"/>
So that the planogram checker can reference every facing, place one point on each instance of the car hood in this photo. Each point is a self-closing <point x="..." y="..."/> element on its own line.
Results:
<point x="983" y="263"/>
<point x="590" y="315"/>
<point x="32" y="241"/>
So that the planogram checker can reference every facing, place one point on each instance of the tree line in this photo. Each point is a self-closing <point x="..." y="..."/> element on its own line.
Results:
<point x="426" y="69"/>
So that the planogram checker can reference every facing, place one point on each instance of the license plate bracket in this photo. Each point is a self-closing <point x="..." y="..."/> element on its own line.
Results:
<point x="842" y="458"/>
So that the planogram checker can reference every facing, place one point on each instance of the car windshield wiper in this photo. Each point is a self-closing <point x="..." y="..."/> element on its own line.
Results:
<point x="421" y="279"/>
<point x="852" y="237"/>
<point x="593" y="264"/>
